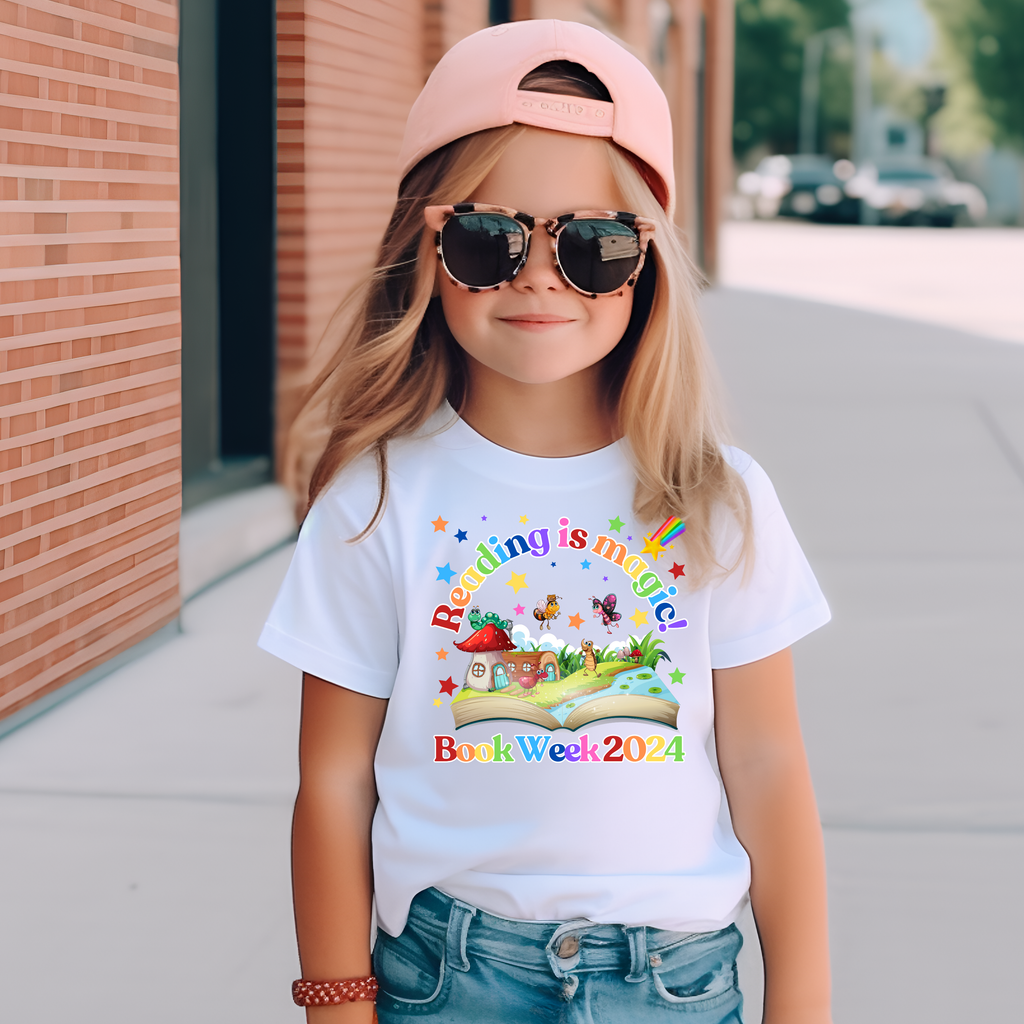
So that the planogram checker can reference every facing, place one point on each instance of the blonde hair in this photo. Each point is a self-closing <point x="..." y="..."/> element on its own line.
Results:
<point x="394" y="361"/>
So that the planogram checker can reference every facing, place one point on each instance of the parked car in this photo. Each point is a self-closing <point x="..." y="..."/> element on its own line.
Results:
<point x="915" y="190"/>
<point x="806" y="185"/>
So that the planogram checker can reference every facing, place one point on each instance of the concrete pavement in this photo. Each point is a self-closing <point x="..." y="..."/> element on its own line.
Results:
<point x="965" y="278"/>
<point x="144" y="833"/>
<point x="897" y="449"/>
<point x="144" y="823"/>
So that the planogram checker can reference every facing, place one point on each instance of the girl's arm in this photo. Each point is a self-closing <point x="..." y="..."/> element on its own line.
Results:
<point x="768" y="783"/>
<point x="332" y="875"/>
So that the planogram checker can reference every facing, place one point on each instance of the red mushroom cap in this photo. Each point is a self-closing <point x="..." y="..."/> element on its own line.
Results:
<point x="490" y="638"/>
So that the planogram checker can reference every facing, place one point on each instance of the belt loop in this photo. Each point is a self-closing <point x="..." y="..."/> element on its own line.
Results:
<point x="458" y="926"/>
<point x="637" y="936"/>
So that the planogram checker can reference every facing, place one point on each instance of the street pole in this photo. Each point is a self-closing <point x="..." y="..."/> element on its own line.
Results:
<point x="863" y="103"/>
<point x="810" y="85"/>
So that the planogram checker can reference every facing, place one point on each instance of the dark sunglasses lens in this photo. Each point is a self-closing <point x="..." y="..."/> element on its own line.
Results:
<point x="482" y="249"/>
<point x="598" y="255"/>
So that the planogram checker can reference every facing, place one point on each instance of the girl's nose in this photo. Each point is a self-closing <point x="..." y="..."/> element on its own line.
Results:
<point x="540" y="272"/>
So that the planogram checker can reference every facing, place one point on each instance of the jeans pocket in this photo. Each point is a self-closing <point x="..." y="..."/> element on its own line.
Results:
<point x="412" y="975"/>
<point x="699" y="973"/>
<point x="703" y="989"/>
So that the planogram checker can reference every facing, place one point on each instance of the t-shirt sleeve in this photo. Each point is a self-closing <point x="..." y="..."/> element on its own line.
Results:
<point x="757" y="613"/>
<point x="335" y="615"/>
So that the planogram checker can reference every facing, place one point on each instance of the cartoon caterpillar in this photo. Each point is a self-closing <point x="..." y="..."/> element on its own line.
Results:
<point x="546" y="611"/>
<point x="478" y="621"/>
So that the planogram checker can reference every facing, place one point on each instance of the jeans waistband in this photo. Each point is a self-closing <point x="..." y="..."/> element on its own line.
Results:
<point x="563" y="947"/>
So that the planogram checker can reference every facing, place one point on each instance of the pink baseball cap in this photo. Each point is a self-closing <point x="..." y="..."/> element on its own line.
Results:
<point x="475" y="86"/>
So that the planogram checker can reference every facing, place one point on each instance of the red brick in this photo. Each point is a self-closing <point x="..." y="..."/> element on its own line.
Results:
<point x="11" y="523"/>
<point x="10" y="458"/>
<point x="27" y="549"/>
<point x="41" y="450"/>
<point x="57" y="414"/>
<point x="23" y="424"/>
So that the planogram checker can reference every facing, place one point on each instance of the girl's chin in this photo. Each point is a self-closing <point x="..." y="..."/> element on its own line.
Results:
<point x="539" y="376"/>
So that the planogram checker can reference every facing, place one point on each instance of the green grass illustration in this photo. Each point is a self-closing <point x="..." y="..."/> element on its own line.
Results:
<point x="550" y="694"/>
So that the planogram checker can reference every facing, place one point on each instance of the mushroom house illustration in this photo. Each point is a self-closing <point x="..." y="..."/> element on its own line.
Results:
<point x="496" y="662"/>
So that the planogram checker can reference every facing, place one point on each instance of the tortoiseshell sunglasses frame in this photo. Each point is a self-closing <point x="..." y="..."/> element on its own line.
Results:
<point x="437" y="216"/>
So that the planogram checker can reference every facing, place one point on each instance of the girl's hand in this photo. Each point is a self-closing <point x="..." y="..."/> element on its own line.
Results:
<point x="771" y="800"/>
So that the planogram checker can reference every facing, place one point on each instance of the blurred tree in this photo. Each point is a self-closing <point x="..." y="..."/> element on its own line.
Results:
<point x="770" y="36"/>
<point x="988" y="35"/>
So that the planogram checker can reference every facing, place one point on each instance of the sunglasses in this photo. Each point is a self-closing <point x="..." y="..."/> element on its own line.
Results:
<point x="483" y="247"/>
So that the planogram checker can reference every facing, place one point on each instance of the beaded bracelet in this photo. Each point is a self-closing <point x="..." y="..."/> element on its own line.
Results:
<point x="329" y="993"/>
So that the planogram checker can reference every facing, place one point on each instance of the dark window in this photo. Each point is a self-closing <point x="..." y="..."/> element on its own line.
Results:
<point x="228" y="156"/>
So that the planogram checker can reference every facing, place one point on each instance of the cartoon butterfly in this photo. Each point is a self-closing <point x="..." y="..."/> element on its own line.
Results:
<point x="606" y="610"/>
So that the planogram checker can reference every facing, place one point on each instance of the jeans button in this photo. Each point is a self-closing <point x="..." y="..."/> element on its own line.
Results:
<point x="568" y="947"/>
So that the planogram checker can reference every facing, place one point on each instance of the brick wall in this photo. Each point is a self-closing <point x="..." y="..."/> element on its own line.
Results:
<point x="348" y="72"/>
<point x="89" y="335"/>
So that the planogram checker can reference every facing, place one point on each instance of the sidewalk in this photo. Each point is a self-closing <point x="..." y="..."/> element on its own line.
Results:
<point x="968" y="278"/>
<point x="144" y="823"/>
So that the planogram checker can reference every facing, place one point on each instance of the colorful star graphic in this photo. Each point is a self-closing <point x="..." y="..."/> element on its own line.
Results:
<point x="639" y="617"/>
<point x="517" y="582"/>
<point x="483" y="519"/>
<point x="461" y="535"/>
<point x="442" y="655"/>
<point x="677" y="570"/>
<point x="585" y="564"/>
<point x="445" y="572"/>
<point x="439" y="524"/>
<point x="674" y="674"/>
<point x="523" y="519"/>
<point x="576" y="620"/>
<point x="629" y="538"/>
<point x="651" y="546"/>
<point x="437" y="702"/>
<point x="552" y="565"/>
<point x="447" y="686"/>
<point x="519" y="609"/>
<point x="605" y="578"/>
<point x="616" y="524"/>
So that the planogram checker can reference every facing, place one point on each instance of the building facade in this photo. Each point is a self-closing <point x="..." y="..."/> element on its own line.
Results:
<point x="129" y="389"/>
<point x="90" y="333"/>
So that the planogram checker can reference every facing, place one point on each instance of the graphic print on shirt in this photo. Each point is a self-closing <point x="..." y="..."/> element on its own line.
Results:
<point x="546" y="681"/>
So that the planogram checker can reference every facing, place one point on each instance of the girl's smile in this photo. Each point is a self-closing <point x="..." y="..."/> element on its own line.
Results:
<point x="536" y="321"/>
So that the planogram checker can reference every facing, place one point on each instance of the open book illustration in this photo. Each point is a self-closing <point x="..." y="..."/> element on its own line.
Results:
<point x="503" y="682"/>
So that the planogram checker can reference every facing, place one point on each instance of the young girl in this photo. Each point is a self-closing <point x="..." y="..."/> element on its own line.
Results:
<point x="524" y="456"/>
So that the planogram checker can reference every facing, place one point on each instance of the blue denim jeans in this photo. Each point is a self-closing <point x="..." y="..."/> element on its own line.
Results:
<point x="456" y="963"/>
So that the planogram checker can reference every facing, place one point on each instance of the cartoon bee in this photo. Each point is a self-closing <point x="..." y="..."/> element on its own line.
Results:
<point x="589" y="658"/>
<point x="605" y="611"/>
<point x="546" y="611"/>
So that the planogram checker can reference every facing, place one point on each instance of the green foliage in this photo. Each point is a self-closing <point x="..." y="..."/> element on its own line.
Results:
<point x="988" y="37"/>
<point x="770" y="36"/>
<point x="572" y="661"/>
<point x="650" y="654"/>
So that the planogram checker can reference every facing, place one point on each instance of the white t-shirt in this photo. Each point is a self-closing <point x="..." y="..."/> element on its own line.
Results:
<point x="538" y="784"/>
